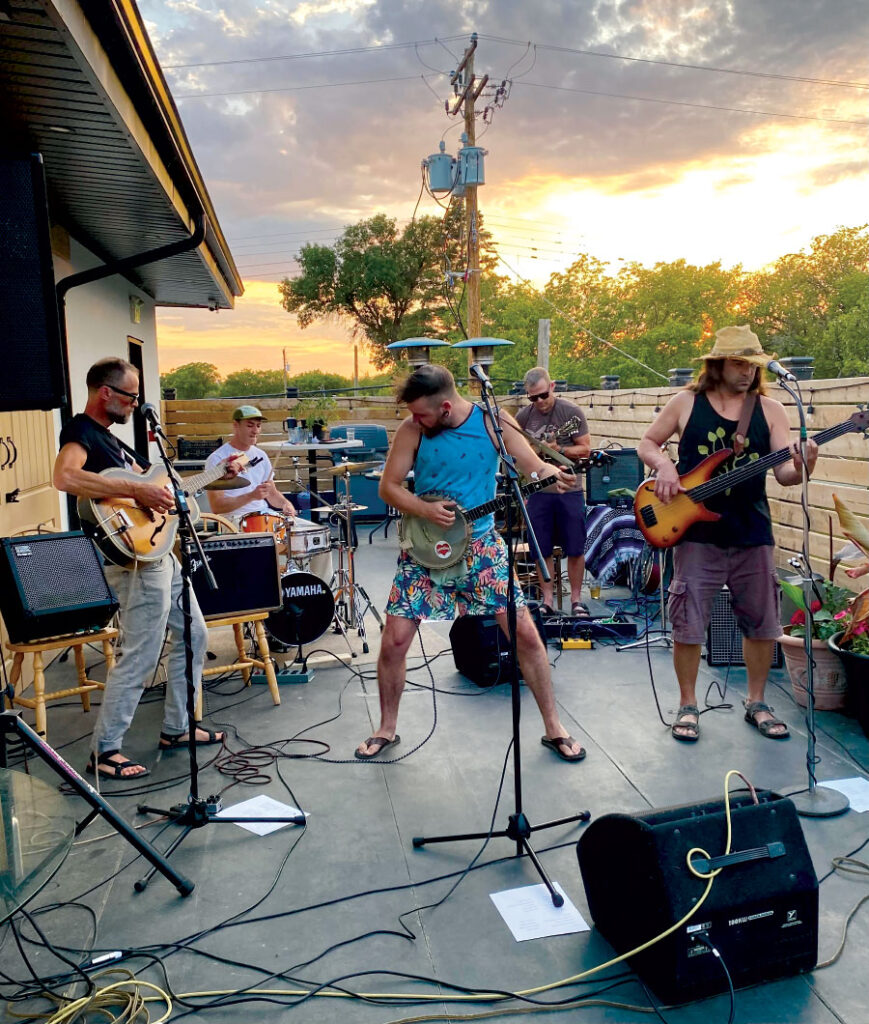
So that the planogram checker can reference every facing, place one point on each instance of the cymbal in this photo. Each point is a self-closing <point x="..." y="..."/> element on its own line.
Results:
<point x="341" y="508"/>
<point x="346" y="468"/>
<point x="233" y="484"/>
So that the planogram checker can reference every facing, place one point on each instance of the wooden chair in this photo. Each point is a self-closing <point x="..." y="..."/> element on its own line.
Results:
<point x="245" y="662"/>
<point x="83" y="690"/>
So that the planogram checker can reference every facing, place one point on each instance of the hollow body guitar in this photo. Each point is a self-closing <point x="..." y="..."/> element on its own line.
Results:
<point x="664" y="525"/>
<point x="439" y="547"/>
<point x="127" y="532"/>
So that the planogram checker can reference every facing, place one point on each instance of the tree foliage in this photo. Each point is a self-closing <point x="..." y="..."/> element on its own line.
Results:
<point x="192" y="380"/>
<point x="243" y="383"/>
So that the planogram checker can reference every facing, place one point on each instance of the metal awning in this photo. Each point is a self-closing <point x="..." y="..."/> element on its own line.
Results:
<point x="80" y="84"/>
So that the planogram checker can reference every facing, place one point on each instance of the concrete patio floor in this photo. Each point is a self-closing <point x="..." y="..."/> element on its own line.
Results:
<point x="348" y="897"/>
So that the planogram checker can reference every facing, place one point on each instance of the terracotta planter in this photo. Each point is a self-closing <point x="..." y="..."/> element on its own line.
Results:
<point x="857" y="673"/>
<point x="830" y="681"/>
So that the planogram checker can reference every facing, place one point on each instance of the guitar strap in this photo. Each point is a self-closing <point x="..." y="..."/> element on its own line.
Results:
<point x="139" y="460"/>
<point x="740" y="435"/>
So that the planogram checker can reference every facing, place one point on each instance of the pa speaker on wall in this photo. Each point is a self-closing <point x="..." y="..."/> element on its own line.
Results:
<point x="33" y="368"/>
<point x="761" y="911"/>
<point x="52" y="584"/>
<point x="245" y="567"/>
<point x="622" y="468"/>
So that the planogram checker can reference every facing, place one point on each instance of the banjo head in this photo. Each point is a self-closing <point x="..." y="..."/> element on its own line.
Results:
<point x="433" y="546"/>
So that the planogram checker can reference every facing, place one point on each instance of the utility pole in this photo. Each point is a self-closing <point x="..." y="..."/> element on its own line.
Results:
<point x="468" y="98"/>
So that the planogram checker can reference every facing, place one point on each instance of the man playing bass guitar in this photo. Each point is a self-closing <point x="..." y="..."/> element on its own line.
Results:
<point x="149" y="594"/>
<point x="725" y="408"/>
<point x="450" y="446"/>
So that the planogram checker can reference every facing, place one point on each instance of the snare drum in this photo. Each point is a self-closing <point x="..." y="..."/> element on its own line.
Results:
<point x="311" y="547"/>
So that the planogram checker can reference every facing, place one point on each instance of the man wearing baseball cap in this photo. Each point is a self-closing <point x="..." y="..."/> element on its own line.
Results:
<point x="261" y="495"/>
<point x="725" y="408"/>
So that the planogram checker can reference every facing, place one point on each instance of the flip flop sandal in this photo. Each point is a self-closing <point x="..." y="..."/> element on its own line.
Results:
<point x="381" y="742"/>
<point x="765" y="728"/>
<point x="105" y="760"/>
<point x="692" y="729"/>
<point x="562" y="744"/>
<point x="546" y="609"/>
<point x="580" y="610"/>
<point x="170" y="742"/>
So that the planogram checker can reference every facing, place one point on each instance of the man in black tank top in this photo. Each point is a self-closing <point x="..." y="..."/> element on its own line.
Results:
<point x="737" y="549"/>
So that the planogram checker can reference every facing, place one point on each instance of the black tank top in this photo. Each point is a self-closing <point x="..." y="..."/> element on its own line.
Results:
<point x="745" y="521"/>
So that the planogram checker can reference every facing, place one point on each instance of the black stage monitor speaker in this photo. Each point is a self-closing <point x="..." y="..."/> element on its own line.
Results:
<point x="624" y="470"/>
<point x="52" y="584"/>
<point x="33" y="374"/>
<point x="480" y="650"/>
<point x="761" y="912"/>
<point x="723" y="637"/>
<point x="245" y="566"/>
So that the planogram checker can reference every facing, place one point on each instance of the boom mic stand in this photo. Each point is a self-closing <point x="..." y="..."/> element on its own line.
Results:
<point x="519" y="829"/>
<point x="813" y="802"/>
<point x="196" y="812"/>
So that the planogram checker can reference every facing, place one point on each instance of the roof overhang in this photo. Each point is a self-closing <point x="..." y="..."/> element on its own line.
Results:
<point x="80" y="84"/>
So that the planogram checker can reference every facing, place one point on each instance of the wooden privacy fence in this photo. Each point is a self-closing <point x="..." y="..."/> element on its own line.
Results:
<point x="621" y="417"/>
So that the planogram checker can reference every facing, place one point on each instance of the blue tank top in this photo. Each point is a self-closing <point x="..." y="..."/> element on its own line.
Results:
<point x="460" y="462"/>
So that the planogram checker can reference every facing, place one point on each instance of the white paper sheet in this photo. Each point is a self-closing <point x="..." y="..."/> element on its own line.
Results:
<point x="529" y="913"/>
<point x="259" y="807"/>
<point x="855" y="789"/>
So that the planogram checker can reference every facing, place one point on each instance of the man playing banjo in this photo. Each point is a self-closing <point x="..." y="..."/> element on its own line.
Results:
<point x="451" y="448"/>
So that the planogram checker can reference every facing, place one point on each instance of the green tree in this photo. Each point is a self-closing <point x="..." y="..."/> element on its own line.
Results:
<point x="250" y="383"/>
<point x="317" y="380"/>
<point x="193" y="380"/>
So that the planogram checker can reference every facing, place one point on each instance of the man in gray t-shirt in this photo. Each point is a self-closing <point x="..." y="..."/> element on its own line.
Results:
<point x="557" y="518"/>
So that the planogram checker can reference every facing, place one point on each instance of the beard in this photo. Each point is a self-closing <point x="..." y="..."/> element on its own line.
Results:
<point x="431" y="432"/>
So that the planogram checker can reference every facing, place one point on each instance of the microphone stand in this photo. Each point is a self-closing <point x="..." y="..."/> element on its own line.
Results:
<point x="519" y="829"/>
<point x="815" y="801"/>
<point x="196" y="812"/>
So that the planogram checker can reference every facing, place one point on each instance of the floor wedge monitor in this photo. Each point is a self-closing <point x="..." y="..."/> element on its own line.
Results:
<point x="761" y="912"/>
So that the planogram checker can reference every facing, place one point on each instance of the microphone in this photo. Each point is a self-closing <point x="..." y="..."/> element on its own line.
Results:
<point x="149" y="411"/>
<point x="476" y="370"/>
<point x="779" y="370"/>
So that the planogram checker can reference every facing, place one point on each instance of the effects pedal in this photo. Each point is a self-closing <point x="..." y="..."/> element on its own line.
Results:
<point x="578" y="644"/>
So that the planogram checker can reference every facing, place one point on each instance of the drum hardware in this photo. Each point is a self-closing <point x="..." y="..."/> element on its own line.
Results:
<point x="652" y="574"/>
<point x="348" y="468"/>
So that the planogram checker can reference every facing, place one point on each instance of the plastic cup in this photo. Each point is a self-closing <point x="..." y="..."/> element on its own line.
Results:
<point x="594" y="590"/>
<point x="351" y="433"/>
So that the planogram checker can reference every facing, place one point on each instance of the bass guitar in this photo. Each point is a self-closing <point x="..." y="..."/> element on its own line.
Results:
<point x="664" y="525"/>
<point x="127" y="532"/>
<point x="439" y="547"/>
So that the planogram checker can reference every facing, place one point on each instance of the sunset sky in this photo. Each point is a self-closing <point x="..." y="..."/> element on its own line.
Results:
<point x="621" y="151"/>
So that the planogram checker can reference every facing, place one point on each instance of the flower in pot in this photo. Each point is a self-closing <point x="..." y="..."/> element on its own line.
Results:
<point x="828" y="677"/>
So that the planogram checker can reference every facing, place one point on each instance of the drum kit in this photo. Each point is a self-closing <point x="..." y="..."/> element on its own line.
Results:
<point x="315" y="594"/>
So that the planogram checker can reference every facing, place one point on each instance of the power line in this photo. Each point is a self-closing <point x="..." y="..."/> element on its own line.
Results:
<point x="295" y="88"/>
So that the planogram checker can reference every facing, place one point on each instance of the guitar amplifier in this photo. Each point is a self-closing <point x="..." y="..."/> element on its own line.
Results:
<point x="245" y="566"/>
<point x="52" y="584"/>
<point x="624" y="469"/>
<point x="723" y="637"/>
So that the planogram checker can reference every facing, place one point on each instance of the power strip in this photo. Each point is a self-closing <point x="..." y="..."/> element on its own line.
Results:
<point x="580" y="644"/>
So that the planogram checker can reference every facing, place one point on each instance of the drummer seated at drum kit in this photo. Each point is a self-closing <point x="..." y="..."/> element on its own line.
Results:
<point x="261" y="496"/>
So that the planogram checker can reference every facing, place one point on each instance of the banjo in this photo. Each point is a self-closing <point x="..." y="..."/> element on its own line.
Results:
<point x="440" y="547"/>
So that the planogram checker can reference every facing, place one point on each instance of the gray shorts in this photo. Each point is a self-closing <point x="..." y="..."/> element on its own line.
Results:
<point x="701" y="570"/>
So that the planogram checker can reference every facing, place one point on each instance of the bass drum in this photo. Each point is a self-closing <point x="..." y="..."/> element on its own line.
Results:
<point x="307" y="610"/>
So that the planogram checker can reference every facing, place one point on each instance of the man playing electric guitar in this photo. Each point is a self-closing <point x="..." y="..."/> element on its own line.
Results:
<point x="451" y="448"/>
<point x="557" y="518"/>
<point x="725" y="408"/>
<point x="149" y="594"/>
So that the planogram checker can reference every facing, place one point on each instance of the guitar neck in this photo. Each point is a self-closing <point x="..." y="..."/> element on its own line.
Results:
<point x="704" y="491"/>
<point x="207" y="476"/>
<point x="478" y="511"/>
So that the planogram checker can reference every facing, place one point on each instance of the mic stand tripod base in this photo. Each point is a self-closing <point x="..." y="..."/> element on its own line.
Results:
<point x="820" y="802"/>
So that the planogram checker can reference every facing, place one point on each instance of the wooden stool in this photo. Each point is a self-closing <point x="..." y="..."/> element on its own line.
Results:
<point x="245" y="662"/>
<point x="40" y="698"/>
<point x="530" y="578"/>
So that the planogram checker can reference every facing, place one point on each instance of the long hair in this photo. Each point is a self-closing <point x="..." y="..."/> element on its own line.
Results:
<point x="710" y="378"/>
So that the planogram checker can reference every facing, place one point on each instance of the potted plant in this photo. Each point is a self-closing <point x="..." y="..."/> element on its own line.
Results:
<point x="316" y="410"/>
<point x="828" y="678"/>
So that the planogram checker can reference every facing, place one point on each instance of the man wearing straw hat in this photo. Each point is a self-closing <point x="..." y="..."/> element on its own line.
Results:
<point x="726" y="407"/>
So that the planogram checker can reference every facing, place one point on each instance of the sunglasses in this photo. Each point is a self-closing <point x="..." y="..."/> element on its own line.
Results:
<point x="538" y="398"/>
<point x="120" y="391"/>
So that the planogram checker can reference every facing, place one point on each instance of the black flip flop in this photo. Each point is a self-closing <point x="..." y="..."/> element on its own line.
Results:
<point x="562" y="743"/>
<point x="381" y="742"/>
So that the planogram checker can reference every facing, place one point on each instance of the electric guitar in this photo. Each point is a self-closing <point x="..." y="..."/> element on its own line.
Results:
<point x="439" y="547"/>
<point x="127" y="532"/>
<point x="664" y="525"/>
<point x="562" y="433"/>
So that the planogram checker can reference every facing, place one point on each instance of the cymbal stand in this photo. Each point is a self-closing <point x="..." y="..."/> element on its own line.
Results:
<point x="352" y="602"/>
<point x="662" y="631"/>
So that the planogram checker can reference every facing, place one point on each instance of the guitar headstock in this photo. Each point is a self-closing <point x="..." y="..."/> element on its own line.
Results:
<point x="860" y="420"/>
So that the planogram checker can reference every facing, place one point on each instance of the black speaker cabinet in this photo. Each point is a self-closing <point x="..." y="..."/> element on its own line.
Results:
<point x="52" y="584"/>
<point x="761" y="912"/>
<point x="33" y="373"/>
<point x="480" y="650"/>
<point x="723" y="637"/>
<point x="625" y="470"/>
<point x="245" y="566"/>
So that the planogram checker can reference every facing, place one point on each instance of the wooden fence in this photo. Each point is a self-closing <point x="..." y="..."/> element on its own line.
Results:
<point x="621" y="417"/>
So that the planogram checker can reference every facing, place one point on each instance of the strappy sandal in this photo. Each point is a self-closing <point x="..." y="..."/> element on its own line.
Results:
<point x="691" y="729"/>
<point x="170" y="742"/>
<point x="752" y="708"/>
<point x="104" y="760"/>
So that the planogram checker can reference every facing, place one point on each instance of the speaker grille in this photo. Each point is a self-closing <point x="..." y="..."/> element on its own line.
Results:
<point x="724" y="639"/>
